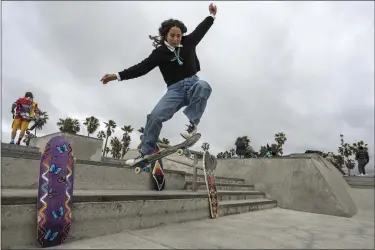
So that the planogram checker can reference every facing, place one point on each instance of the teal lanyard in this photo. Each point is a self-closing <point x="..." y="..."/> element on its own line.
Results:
<point x="177" y="56"/>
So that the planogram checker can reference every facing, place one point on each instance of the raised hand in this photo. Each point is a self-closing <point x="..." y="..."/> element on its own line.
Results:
<point x="213" y="9"/>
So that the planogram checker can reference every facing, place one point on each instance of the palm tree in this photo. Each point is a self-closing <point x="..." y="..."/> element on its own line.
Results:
<point x="101" y="134"/>
<point x="232" y="152"/>
<point x="205" y="146"/>
<point x="242" y="146"/>
<point x="43" y="118"/>
<point x="126" y="139"/>
<point x="69" y="125"/>
<point x="110" y="126"/>
<point x="355" y="146"/>
<point x="280" y="138"/>
<point x="116" y="147"/>
<point x="164" y="141"/>
<point x="92" y="124"/>
<point x="220" y="155"/>
<point x="107" y="150"/>
<point x="346" y="150"/>
<point x="141" y="131"/>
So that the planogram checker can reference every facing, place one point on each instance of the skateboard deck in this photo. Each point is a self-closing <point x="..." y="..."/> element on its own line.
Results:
<point x="36" y="123"/>
<point x="209" y="165"/>
<point x="55" y="192"/>
<point x="165" y="152"/>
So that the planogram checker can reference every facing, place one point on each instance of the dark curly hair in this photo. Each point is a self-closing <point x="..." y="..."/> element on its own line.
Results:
<point x="164" y="29"/>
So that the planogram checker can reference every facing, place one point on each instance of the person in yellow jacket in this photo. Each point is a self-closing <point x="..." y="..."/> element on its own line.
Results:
<point x="24" y="110"/>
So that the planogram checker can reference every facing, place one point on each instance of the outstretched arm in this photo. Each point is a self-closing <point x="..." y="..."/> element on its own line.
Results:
<point x="200" y="31"/>
<point x="135" y="71"/>
<point x="139" y="69"/>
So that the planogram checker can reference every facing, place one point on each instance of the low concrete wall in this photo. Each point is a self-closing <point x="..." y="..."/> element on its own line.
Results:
<point x="367" y="182"/>
<point x="84" y="148"/>
<point x="301" y="182"/>
<point x="22" y="173"/>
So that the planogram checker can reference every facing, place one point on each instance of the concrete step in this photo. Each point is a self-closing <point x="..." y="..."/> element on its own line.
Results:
<point x="109" y="212"/>
<point x="21" y="170"/>
<point x="367" y="179"/>
<point x="363" y="182"/>
<point x="19" y="173"/>
<point x="220" y="179"/>
<point x="361" y="185"/>
<point x="358" y="182"/>
<point x="28" y="196"/>
<point x="201" y="185"/>
<point x="18" y="148"/>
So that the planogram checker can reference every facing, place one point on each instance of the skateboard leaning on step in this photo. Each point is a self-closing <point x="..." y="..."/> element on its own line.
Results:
<point x="148" y="160"/>
<point x="209" y="166"/>
<point x="156" y="171"/>
<point x="55" y="192"/>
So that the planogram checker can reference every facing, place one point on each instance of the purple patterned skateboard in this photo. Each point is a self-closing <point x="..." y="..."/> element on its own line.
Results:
<point x="55" y="192"/>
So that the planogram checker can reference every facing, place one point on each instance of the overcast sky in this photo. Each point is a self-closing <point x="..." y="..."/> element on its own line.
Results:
<point x="303" y="68"/>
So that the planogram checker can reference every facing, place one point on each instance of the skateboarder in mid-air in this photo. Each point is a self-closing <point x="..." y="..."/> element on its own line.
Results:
<point x="176" y="58"/>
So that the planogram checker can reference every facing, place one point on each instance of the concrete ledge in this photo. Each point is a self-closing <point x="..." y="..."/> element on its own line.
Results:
<point x="220" y="179"/>
<point x="27" y="196"/>
<point x="18" y="153"/>
<point x="84" y="147"/>
<point x="362" y="182"/>
<point x="201" y="185"/>
<point x="14" y="147"/>
<point x="299" y="182"/>
<point x="115" y="216"/>
<point x="24" y="172"/>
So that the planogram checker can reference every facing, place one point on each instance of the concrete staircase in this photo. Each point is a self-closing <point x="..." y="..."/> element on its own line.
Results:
<point x="110" y="198"/>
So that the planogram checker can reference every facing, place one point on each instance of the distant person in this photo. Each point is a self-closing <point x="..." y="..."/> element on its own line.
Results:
<point x="362" y="158"/>
<point x="23" y="110"/>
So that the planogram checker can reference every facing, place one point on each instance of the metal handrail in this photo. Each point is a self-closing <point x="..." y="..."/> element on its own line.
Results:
<point x="195" y="163"/>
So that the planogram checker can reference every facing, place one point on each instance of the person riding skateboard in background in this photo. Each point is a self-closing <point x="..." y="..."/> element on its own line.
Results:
<point x="23" y="110"/>
<point x="363" y="158"/>
<point x="175" y="55"/>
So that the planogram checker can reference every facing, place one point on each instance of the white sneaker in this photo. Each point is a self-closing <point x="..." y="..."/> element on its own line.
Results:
<point x="135" y="160"/>
<point x="189" y="132"/>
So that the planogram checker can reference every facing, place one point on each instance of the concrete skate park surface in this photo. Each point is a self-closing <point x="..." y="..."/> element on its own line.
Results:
<point x="301" y="182"/>
<point x="274" y="228"/>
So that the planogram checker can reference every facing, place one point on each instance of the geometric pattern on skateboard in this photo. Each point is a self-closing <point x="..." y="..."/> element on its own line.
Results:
<point x="55" y="192"/>
<point x="165" y="152"/>
<point x="156" y="172"/>
<point x="209" y="166"/>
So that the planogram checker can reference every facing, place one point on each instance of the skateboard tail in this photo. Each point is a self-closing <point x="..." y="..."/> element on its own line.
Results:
<point x="166" y="152"/>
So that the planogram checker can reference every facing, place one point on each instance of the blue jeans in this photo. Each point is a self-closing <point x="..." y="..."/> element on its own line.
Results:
<point x="190" y="92"/>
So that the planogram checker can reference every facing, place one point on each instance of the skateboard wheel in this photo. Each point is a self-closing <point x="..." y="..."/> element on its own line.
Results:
<point x="180" y="152"/>
<point x="137" y="170"/>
